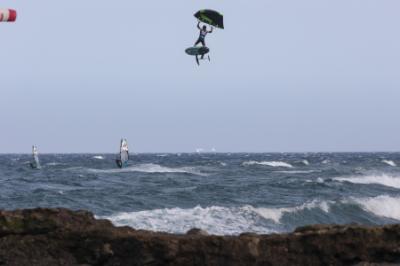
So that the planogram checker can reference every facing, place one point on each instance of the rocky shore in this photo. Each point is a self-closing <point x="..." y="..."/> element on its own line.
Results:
<point x="65" y="237"/>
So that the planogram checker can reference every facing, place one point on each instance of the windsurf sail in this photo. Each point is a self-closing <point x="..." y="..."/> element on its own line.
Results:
<point x="35" y="164"/>
<point x="8" y="15"/>
<point x="210" y="17"/>
<point x="123" y="156"/>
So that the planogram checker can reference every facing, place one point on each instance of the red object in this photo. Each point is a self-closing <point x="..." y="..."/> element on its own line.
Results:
<point x="13" y="15"/>
<point x="8" y="15"/>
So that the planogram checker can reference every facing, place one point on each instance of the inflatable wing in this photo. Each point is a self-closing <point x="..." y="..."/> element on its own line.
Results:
<point x="210" y="17"/>
<point x="8" y="15"/>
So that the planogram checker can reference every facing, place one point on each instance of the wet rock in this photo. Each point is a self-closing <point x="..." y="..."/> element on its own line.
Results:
<point x="65" y="237"/>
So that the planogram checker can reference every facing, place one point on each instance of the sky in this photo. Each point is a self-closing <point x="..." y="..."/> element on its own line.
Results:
<point x="285" y="76"/>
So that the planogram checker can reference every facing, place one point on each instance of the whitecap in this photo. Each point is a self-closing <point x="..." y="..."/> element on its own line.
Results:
<point x="98" y="157"/>
<point x="269" y="163"/>
<point x="305" y="162"/>
<point x="149" y="168"/>
<point x="54" y="164"/>
<point x="385" y="180"/>
<point x="384" y="206"/>
<point x="297" y="171"/>
<point x="389" y="162"/>
<point x="276" y="214"/>
<point x="215" y="219"/>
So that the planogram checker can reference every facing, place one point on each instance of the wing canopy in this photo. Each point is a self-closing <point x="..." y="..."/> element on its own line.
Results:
<point x="210" y="17"/>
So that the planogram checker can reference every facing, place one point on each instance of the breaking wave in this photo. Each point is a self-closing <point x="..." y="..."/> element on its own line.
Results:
<point x="298" y="171"/>
<point x="385" y="180"/>
<point x="215" y="219"/>
<point x="149" y="168"/>
<point x="269" y="163"/>
<point x="236" y="220"/>
<point x="384" y="206"/>
<point x="98" y="157"/>
<point x="305" y="162"/>
<point x="275" y="214"/>
<point x="389" y="162"/>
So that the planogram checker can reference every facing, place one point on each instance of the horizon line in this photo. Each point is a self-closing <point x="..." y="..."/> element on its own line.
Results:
<point x="205" y="152"/>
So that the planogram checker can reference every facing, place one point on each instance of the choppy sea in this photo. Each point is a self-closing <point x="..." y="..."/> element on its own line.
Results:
<point x="221" y="193"/>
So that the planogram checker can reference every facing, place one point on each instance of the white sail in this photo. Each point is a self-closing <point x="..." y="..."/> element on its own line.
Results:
<point x="124" y="151"/>
<point x="35" y="155"/>
<point x="123" y="155"/>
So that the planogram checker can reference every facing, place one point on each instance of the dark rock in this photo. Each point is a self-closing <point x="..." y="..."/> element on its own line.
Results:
<point x="197" y="232"/>
<point x="64" y="237"/>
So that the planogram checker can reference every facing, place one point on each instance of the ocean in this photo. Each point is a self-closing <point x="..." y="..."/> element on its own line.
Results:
<point x="222" y="193"/>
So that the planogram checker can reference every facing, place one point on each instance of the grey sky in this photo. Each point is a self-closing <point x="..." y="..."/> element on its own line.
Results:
<point x="313" y="75"/>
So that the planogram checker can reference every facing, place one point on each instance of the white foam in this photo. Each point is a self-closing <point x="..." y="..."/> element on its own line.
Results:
<point x="385" y="180"/>
<point x="297" y="171"/>
<point x="269" y="163"/>
<point x="149" y="168"/>
<point x="389" y="162"/>
<point x="384" y="206"/>
<point x="276" y="214"/>
<point x="98" y="157"/>
<point x="305" y="162"/>
<point x="215" y="220"/>
<point x="54" y="164"/>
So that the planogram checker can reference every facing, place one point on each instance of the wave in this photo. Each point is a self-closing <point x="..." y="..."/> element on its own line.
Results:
<point x="215" y="219"/>
<point x="305" y="162"/>
<point x="298" y="171"/>
<point x="385" y="180"/>
<point x="275" y="214"/>
<point x="384" y="206"/>
<point x="54" y="164"/>
<point x="389" y="162"/>
<point x="235" y="220"/>
<point x="269" y="163"/>
<point x="98" y="157"/>
<point x="149" y="168"/>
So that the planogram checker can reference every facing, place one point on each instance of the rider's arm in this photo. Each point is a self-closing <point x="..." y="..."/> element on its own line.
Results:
<point x="212" y="28"/>
<point x="198" y="25"/>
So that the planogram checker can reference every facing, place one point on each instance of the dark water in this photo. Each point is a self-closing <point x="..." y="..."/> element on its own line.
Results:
<point x="221" y="193"/>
